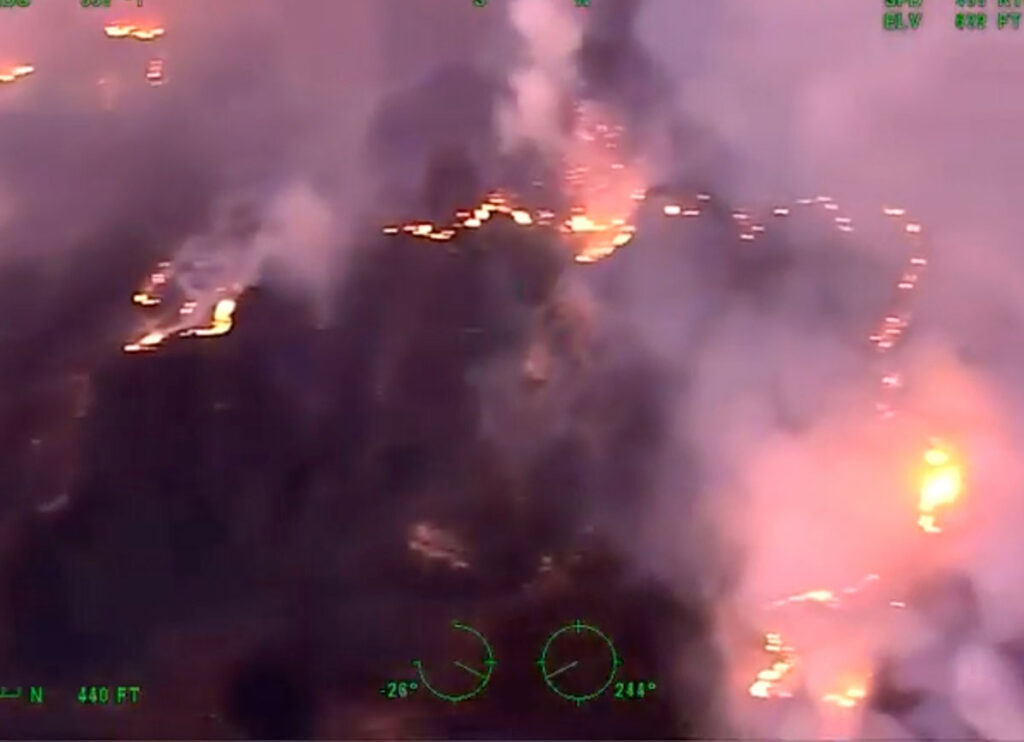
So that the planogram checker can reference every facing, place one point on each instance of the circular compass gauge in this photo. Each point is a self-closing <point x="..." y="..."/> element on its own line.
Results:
<point x="468" y="670"/>
<point x="578" y="662"/>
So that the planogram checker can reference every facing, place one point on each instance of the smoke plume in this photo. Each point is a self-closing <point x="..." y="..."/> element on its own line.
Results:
<point x="544" y="82"/>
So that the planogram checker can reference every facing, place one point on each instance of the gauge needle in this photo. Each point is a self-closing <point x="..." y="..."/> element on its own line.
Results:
<point x="467" y="668"/>
<point x="563" y="668"/>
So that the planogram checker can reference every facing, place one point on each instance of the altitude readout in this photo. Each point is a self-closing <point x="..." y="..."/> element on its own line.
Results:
<point x="979" y="20"/>
<point x="104" y="694"/>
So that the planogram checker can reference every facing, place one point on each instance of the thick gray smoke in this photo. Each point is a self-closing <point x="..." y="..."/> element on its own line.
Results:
<point x="776" y="406"/>
<point x="543" y="86"/>
<point x="816" y="100"/>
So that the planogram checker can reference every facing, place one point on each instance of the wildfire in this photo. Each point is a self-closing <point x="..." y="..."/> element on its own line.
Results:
<point x="826" y="597"/>
<point x="592" y="238"/>
<point x="151" y="294"/>
<point x="777" y="679"/>
<point x="941" y="485"/>
<point x="598" y="239"/>
<point x="603" y="184"/>
<point x="605" y="190"/>
<point x="132" y="31"/>
<point x="848" y="697"/>
<point x="603" y="187"/>
<point x="892" y="327"/>
<point x="16" y="73"/>
<point x="220" y="324"/>
<point x="149" y="341"/>
<point x="143" y="299"/>
<point x="495" y="203"/>
<point x="769" y="682"/>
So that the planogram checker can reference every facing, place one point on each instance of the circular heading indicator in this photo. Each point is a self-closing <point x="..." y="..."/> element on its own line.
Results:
<point x="578" y="662"/>
<point x="467" y="674"/>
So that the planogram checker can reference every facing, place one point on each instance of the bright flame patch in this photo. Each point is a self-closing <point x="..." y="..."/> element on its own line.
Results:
<point x="941" y="485"/>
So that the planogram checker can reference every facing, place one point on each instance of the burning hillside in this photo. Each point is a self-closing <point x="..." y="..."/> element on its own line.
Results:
<point x="370" y="320"/>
